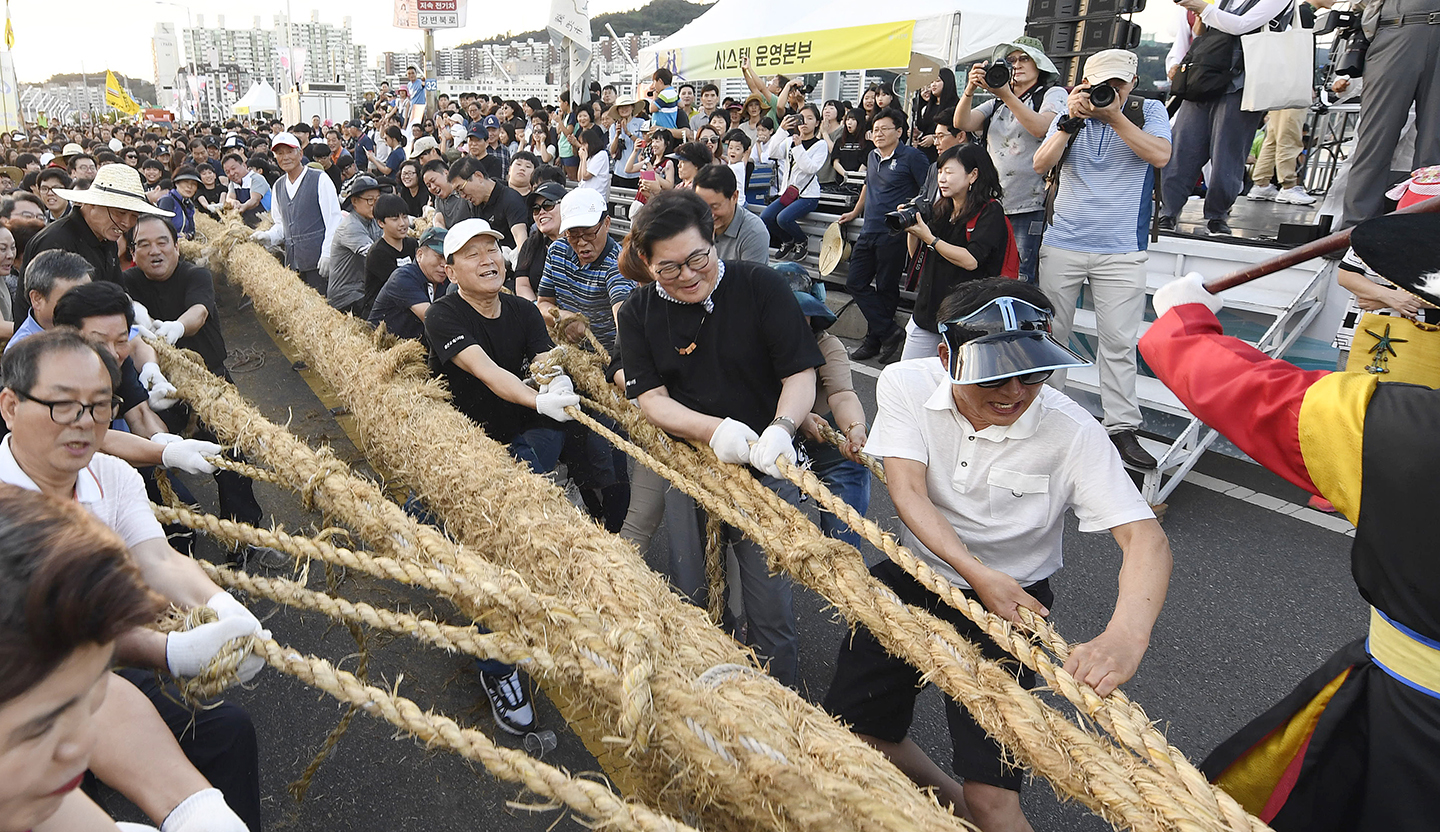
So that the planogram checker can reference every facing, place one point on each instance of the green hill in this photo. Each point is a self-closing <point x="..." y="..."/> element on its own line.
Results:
<point x="659" y="17"/>
<point x="140" y="90"/>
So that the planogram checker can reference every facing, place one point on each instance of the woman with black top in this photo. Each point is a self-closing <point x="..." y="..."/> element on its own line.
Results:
<point x="719" y="352"/>
<point x="867" y="106"/>
<point x="851" y="147"/>
<point x="412" y="188"/>
<point x="210" y="197"/>
<point x="965" y="239"/>
<point x="942" y="96"/>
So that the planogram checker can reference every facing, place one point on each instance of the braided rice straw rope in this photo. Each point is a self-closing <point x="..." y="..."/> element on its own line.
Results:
<point x="1115" y="783"/>
<point x="747" y="754"/>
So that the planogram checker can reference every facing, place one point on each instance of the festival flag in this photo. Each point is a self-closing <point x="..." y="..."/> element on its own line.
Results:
<point x="117" y="97"/>
<point x="570" y="26"/>
<point x="9" y="30"/>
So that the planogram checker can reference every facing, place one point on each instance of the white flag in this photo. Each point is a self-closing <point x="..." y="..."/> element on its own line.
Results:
<point x="570" y="21"/>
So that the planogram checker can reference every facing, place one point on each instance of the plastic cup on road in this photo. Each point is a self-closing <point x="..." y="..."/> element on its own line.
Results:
<point x="538" y="743"/>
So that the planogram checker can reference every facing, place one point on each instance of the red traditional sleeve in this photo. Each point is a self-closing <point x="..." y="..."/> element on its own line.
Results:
<point x="1252" y="399"/>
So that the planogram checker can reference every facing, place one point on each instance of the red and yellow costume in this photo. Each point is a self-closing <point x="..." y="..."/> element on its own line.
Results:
<point x="1356" y="746"/>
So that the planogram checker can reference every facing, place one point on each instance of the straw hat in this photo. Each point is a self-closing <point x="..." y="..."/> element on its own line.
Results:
<point x="833" y="248"/>
<point x="116" y="185"/>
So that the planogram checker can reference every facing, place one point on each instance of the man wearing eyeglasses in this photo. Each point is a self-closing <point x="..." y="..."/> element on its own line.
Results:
<point x="983" y="460"/>
<point x="582" y="272"/>
<point x="493" y="201"/>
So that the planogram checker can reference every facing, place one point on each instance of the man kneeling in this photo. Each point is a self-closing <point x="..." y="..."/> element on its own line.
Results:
<point x="982" y="460"/>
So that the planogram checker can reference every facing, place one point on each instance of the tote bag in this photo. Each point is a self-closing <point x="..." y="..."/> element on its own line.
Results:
<point x="1284" y="63"/>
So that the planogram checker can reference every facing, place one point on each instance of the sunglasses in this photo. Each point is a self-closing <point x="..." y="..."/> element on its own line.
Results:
<point x="1027" y="379"/>
<point x="546" y="205"/>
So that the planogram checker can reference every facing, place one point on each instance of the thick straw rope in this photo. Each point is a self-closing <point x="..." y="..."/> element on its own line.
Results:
<point x="1195" y="795"/>
<point x="707" y="749"/>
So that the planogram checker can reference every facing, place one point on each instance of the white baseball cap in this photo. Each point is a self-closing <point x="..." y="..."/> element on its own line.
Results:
<point x="1111" y="63"/>
<point x="286" y="138"/>
<point x="464" y="231"/>
<point x="581" y="208"/>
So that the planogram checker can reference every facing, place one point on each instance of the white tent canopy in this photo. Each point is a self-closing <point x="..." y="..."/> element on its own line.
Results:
<point x="261" y="97"/>
<point x="944" y="31"/>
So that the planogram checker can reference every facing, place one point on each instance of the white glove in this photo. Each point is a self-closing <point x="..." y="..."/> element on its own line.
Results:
<point x="166" y="438"/>
<point x="511" y="255"/>
<point x="324" y="266"/>
<point x="774" y="443"/>
<point x="189" y="456"/>
<point x="1183" y="290"/>
<point x="171" y="331"/>
<point x="162" y="392"/>
<point x="225" y="606"/>
<point x="258" y="237"/>
<point x="731" y="441"/>
<point x="187" y="653"/>
<point x="134" y="827"/>
<point x="555" y="396"/>
<point x="203" y="811"/>
<point x="142" y="316"/>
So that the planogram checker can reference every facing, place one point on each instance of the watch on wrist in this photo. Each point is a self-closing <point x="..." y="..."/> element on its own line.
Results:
<point x="787" y="423"/>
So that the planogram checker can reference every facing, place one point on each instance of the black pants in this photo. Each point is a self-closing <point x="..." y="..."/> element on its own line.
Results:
<point x="219" y="741"/>
<point x="874" y="280"/>
<point x="237" y="493"/>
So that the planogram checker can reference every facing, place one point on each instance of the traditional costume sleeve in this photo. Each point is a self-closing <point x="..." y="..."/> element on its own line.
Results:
<point x="1306" y="426"/>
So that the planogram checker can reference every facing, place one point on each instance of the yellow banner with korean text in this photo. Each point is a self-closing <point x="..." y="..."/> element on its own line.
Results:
<point x="877" y="46"/>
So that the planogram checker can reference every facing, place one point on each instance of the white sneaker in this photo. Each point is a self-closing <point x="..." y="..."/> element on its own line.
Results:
<point x="1269" y="193"/>
<point x="1295" y="196"/>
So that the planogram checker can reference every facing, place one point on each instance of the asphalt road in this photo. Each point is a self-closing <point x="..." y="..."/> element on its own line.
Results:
<point x="1257" y="600"/>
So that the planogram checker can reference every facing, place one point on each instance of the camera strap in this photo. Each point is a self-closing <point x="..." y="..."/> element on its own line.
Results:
<point x="1035" y="97"/>
<point x="1134" y="110"/>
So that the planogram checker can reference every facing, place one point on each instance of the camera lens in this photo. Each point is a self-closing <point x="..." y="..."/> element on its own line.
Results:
<point x="901" y="219"/>
<point x="1102" y="95"/>
<point x="997" y="74"/>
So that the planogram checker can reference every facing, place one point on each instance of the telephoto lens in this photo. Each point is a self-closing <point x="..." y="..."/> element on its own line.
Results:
<point x="1102" y="96"/>
<point x="997" y="74"/>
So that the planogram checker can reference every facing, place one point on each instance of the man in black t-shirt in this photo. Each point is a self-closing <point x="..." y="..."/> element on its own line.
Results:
<point x="493" y="201"/>
<point x="481" y="343"/>
<point x="394" y="249"/>
<point x="720" y="353"/>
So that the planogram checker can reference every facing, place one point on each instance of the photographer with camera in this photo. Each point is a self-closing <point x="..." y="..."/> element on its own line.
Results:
<point x="961" y="237"/>
<point x="1023" y="81"/>
<point x="894" y="173"/>
<point x="1099" y="224"/>
<point x="1210" y="126"/>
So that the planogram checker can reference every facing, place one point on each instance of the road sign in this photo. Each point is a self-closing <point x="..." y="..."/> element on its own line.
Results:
<point x="432" y="84"/>
<point x="438" y="20"/>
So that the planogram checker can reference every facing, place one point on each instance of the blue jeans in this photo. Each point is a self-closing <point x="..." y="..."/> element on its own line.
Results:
<point x="850" y="481"/>
<point x="1029" y="228"/>
<point x="539" y="448"/>
<point x="878" y="258"/>
<point x="784" y="220"/>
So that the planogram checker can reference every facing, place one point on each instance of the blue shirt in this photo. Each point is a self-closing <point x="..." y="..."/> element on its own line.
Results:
<point x="590" y="290"/>
<point x="1103" y="205"/>
<point x="890" y="182"/>
<point x="667" y="107"/>
<point x="405" y="288"/>
<point x="24" y="331"/>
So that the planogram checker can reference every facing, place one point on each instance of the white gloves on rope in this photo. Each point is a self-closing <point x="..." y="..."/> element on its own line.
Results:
<point x="203" y="811"/>
<point x="187" y="653"/>
<point x="142" y="316"/>
<point x="1183" y="290"/>
<point x="731" y="441"/>
<point x="556" y="395"/>
<point x="171" y="331"/>
<point x="186" y="454"/>
<point x="162" y="393"/>
<point x="774" y="443"/>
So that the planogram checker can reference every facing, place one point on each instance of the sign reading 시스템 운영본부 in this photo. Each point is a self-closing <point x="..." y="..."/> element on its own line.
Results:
<point x="855" y="47"/>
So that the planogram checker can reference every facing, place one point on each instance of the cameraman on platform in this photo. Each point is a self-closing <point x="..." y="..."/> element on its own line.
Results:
<point x="1014" y="123"/>
<point x="1099" y="228"/>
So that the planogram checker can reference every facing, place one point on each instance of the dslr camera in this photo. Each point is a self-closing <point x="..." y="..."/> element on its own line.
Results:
<point x="1102" y="95"/>
<point x="998" y="74"/>
<point x="906" y="215"/>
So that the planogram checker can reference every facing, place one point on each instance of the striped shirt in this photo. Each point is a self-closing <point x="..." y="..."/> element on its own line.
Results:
<point x="590" y="290"/>
<point x="1103" y="206"/>
<point x="667" y="108"/>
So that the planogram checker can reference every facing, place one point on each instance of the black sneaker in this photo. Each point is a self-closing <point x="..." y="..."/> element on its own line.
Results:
<point x="1218" y="228"/>
<point x="1165" y="224"/>
<point x="785" y="249"/>
<point x="509" y="702"/>
<point x="799" y="251"/>
<point x="1131" y="452"/>
<point x="869" y="348"/>
<point x="890" y="347"/>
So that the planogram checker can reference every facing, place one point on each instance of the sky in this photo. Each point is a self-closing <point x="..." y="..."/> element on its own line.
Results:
<point x="92" y="36"/>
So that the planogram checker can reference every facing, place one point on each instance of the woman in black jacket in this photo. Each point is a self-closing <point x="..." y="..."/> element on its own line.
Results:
<point x="965" y="238"/>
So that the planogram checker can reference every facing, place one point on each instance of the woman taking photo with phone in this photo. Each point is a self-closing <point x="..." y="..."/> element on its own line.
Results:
<point x="801" y="154"/>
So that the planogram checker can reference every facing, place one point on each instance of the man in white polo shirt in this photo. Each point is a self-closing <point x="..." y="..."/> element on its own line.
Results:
<point x="982" y="461"/>
<point x="58" y="399"/>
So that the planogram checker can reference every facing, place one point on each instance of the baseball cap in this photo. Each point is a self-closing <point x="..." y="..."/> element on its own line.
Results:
<point x="491" y="121"/>
<point x="422" y="145"/>
<point x="1111" y="63"/>
<point x="285" y="138"/>
<point x="477" y="132"/>
<point x="72" y="149"/>
<point x="233" y="141"/>
<point x="466" y="230"/>
<point x="433" y="238"/>
<point x="581" y="208"/>
<point x="549" y="191"/>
